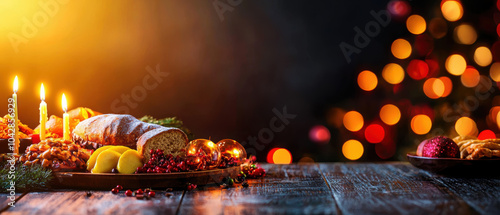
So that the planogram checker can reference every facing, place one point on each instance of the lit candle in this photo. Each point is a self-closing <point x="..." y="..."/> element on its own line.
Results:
<point x="65" y="118"/>
<point x="16" y="117"/>
<point x="43" y="113"/>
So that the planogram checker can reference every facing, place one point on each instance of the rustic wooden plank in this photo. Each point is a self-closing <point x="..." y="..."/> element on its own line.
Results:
<point x="290" y="189"/>
<point x="5" y="199"/>
<point x="482" y="193"/>
<point x="100" y="202"/>
<point x="389" y="188"/>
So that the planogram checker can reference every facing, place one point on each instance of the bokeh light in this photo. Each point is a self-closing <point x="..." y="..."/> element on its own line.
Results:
<point x="452" y="10"/>
<point x="498" y="119"/>
<point x="421" y="124"/>
<point x="424" y="44"/>
<point x="455" y="64"/>
<point x="438" y="28"/>
<point x="305" y="160"/>
<point x="374" y="133"/>
<point x="417" y="69"/>
<point x="353" y="121"/>
<point x="352" y="149"/>
<point x="495" y="71"/>
<point x="465" y="126"/>
<point x="270" y="154"/>
<point x="465" y="34"/>
<point x="470" y="78"/>
<point x="485" y="84"/>
<point x="416" y="24"/>
<point x="282" y="156"/>
<point x="399" y="8"/>
<point x="319" y="134"/>
<point x="434" y="88"/>
<point x="494" y="113"/>
<point x="401" y="48"/>
<point x="393" y="73"/>
<point x="386" y="149"/>
<point x="486" y="134"/>
<point x="335" y="117"/>
<point x="482" y="56"/>
<point x="448" y="85"/>
<point x="390" y="114"/>
<point x="367" y="80"/>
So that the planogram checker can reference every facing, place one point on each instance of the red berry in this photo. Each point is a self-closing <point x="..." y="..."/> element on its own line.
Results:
<point x="139" y="191"/>
<point x="129" y="193"/>
<point x="152" y="194"/>
<point x="114" y="191"/>
<point x="119" y="187"/>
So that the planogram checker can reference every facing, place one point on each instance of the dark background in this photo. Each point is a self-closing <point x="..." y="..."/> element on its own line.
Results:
<point x="225" y="76"/>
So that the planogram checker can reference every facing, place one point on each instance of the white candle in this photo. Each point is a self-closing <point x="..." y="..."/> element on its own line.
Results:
<point x="16" y="117"/>
<point x="65" y="118"/>
<point x="43" y="113"/>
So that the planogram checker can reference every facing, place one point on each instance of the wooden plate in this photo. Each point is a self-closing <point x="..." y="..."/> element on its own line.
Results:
<point x="456" y="166"/>
<point x="107" y="181"/>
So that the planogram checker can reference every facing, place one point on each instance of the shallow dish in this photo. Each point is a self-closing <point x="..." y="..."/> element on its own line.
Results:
<point x="456" y="166"/>
<point x="106" y="181"/>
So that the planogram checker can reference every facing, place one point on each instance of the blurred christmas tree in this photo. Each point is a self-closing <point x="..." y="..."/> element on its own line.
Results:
<point x="441" y="79"/>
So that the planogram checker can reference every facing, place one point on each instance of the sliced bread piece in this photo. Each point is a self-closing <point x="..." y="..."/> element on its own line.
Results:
<point x="170" y="140"/>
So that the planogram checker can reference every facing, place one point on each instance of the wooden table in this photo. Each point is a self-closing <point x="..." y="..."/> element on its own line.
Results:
<point x="325" y="188"/>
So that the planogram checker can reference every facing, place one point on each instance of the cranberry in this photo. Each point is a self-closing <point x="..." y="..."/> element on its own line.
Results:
<point x="129" y="193"/>
<point x="119" y="187"/>
<point x="152" y="194"/>
<point x="139" y="191"/>
<point x="114" y="191"/>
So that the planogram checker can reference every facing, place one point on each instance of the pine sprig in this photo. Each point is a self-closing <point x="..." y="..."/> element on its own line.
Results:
<point x="34" y="177"/>
<point x="168" y="122"/>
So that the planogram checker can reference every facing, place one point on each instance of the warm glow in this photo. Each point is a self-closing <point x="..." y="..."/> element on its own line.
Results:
<point x="42" y="93"/>
<point x="390" y="114"/>
<point x="353" y="121"/>
<point x="64" y="103"/>
<point x="374" y="133"/>
<point x="367" y="80"/>
<point x="401" y="49"/>
<point x="486" y="134"/>
<point x="352" y="149"/>
<point x="482" y="56"/>
<point x="434" y="88"/>
<point x="448" y="85"/>
<point x="498" y="119"/>
<point x="465" y="34"/>
<point x="465" y="126"/>
<point x="421" y="124"/>
<point x="16" y="84"/>
<point x="282" y="156"/>
<point x="415" y="24"/>
<point x="452" y="10"/>
<point x="455" y="64"/>
<point x="495" y="71"/>
<point x="393" y="73"/>
<point x="494" y="113"/>
<point x="470" y="78"/>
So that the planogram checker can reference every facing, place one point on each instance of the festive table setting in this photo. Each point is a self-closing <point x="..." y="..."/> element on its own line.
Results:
<point x="249" y="109"/>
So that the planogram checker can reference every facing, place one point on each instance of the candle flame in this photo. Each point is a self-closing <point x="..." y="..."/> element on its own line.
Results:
<point x="64" y="103"/>
<point x="16" y="84"/>
<point x="42" y="93"/>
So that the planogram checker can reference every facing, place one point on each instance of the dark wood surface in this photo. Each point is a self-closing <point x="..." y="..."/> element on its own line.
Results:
<point x="325" y="188"/>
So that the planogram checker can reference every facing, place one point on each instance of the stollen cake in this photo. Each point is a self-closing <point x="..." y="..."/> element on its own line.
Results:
<point x="170" y="140"/>
<point x="126" y="130"/>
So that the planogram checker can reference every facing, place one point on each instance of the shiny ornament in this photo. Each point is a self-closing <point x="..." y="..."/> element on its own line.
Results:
<point x="204" y="149"/>
<point x="440" y="147"/>
<point x="232" y="149"/>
